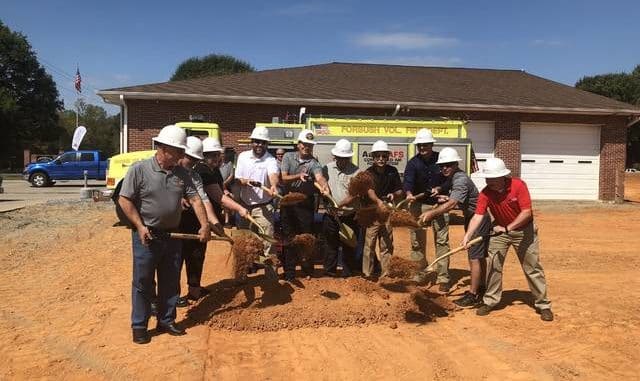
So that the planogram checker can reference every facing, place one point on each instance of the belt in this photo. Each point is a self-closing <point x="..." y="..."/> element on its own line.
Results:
<point x="159" y="233"/>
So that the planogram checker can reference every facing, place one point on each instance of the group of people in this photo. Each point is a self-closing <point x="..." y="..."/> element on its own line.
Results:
<point x="182" y="189"/>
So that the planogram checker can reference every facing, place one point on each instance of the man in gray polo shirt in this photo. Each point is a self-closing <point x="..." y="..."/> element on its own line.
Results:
<point x="151" y="197"/>
<point x="463" y="192"/>
<point x="338" y="174"/>
<point x="299" y="170"/>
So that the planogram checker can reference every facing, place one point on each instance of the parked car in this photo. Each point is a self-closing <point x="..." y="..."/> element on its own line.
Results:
<point x="70" y="165"/>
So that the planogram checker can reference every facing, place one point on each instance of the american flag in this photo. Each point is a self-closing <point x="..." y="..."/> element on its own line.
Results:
<point x="78" y="81"/>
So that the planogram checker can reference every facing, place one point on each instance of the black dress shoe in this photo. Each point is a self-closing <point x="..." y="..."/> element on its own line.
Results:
<point x="171" y="329"/>
<point x="141" y="336"/>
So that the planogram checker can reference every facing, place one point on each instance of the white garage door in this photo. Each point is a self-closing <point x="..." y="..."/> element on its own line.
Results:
<point x="560" y="161"/>
<point x="482" y="135"/>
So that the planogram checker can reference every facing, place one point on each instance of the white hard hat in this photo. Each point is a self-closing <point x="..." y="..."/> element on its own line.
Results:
<point x="260" y="133"/>
<point x="194" y="147"/>
<point x="342" y="149"/>
<point x="494" y="168"/>
<point x="380" y="146"/>
<point x="307" y="136"/>
<point x="173" y="136"/>
<point x="211" y="145"/>
<point x="424" y="135"/>
<point x="448" y="155"/>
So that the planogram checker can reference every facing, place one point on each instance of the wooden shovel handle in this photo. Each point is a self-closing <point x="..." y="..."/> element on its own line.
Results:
<point x="456" y="250"/>
<point x="264" y="188"/>
<point x="328" y="196"/>
<point x="197" y="237"/>
<point x="401" y="203"/>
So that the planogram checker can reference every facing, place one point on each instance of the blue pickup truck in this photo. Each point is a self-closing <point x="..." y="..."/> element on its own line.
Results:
<point x="68" y="166"/>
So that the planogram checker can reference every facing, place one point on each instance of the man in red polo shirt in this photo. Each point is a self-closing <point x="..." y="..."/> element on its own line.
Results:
<point x="509" y="201"/>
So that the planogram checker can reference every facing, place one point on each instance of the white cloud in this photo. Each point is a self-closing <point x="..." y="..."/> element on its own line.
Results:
<point x="417" y="61"/>
<point x="403" y="41"/>
<point x="548" y="43"/>
<point x="122" y="78"/>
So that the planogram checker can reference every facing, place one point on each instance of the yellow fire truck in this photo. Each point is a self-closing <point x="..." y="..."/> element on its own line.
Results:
<point x="363" y="131"/>
<point x="118" y="165"/>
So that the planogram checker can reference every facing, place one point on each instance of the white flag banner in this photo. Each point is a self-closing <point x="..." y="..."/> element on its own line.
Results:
<point x="78" y="135"/>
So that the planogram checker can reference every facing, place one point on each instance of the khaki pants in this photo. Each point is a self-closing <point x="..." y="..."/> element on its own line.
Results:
<point x="382" y="233"/>
<point x="263" y="215"/>
<point x="527" y="247"/>
<point x="440" y="227"/>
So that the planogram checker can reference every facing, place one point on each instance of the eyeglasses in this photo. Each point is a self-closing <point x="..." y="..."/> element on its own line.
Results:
<point x="376" y="155"/>
<point x="425" y="145"/>
<point x="443" y="165"/>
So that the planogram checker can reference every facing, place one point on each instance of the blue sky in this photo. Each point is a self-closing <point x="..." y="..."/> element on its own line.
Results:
<point x="122" y="43"/>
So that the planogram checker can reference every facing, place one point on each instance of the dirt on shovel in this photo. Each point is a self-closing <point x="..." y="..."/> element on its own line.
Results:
<point x="403" y="218"/>
<point x="304" y="244"/>
<point x="245" y="250"/>
<point x="401" y="268"/>
<point x="292" y="198"/>
<point x="360" y="184"/>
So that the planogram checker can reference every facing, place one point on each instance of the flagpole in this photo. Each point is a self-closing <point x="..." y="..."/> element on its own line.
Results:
<point x="78" y="86"/>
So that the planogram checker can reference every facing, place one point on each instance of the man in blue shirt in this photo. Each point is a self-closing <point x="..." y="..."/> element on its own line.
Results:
<point x="422" y="176"/>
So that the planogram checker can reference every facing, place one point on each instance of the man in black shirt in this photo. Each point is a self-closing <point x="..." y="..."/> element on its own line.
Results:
<point x="387" y="186"/>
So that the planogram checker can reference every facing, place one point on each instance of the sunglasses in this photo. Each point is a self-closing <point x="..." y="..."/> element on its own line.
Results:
<point x="259" y="142"/>
<point x="444" y="165"/>
<point x="380" y="155"/>
<point x="425" y="145"/>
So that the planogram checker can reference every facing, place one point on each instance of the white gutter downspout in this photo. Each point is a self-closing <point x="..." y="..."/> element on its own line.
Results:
<point x="124" y="129"/>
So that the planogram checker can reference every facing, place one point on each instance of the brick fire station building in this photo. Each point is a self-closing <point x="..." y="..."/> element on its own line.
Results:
<point x="564" y="142"/>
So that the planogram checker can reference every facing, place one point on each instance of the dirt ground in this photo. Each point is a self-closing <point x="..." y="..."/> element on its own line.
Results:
<point x="65" y="290"/>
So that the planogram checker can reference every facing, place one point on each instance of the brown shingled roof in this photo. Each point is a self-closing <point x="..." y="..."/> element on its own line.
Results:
<point x="353" y="84"/>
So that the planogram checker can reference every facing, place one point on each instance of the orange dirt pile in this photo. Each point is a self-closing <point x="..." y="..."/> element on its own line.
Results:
<point x="320" y="303"/>
<point x="245" y="251"/>
<point x="403" y="218"/>
<point x="360" y="184"/>
<point x="292" y="199"/>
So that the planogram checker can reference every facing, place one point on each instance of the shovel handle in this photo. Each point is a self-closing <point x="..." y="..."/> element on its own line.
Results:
<point x="401" y="203"/>
<point x="328" y="196"/>
<point x="197" y="237"/>
<point x="264" y="188"/>
<point x="456" y="250"/>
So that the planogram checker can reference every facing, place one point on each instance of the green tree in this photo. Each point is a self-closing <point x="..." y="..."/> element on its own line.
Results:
<point x="624" y="87"/>
<point x="28" y="100"/>
<point x="213" y="64"/>
<point x="103" y="131"/>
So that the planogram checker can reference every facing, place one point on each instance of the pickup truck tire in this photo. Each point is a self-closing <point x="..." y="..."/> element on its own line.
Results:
<point x="39" y="179"/>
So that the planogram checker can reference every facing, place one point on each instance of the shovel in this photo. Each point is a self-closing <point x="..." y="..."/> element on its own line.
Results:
<point x="459" y="249"/>
<point x="346" y="234"/>
<point x="401" y="203"/>
<point x="197" y="237"/>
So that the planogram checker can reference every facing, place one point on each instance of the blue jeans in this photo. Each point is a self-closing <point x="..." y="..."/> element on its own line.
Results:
<point x="163" y="255"/>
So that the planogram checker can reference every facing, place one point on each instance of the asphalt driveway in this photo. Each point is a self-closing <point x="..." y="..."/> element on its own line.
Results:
<point x="19" y="193"/>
